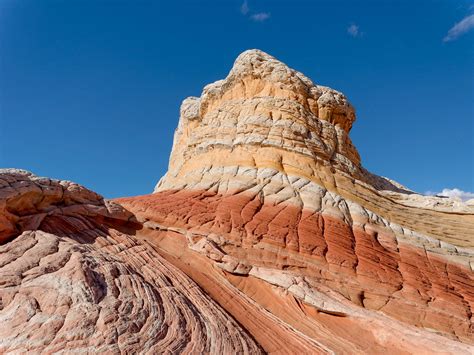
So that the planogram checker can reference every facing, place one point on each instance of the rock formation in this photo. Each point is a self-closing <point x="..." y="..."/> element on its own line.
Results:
<point x="74" y="278"/>
<point x="265" y="235"/>
<point x="266" y="185"/>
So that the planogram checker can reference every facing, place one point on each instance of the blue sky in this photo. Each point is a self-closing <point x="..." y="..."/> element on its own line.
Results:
<point x="90" y="90"/>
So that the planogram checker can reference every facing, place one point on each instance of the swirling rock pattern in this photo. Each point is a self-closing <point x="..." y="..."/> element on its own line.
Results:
<point x="74" y="278"/>
<point x="265" y="184"/>
<point x="266" y="235"/>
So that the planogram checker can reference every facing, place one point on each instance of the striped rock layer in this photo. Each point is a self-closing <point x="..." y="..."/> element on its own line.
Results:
<point x="267" y="207"/>
<point x="74" y="278"/>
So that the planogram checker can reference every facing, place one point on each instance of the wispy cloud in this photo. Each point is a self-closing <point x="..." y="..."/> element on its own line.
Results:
<point x="354" y="31"/>
<point x="453" y="193"/>
<point x="260" y="17"/>
<point x="463" y="26"/>
<point x="257" y="17"/>
<point x="244" y="8"/>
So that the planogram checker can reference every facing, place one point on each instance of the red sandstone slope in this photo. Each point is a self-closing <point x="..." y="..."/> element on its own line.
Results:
<point x="74" y="278"/>
<point x="265" y="235"/>
<point x="266" y="194"/>
<point x="384" y="296"/>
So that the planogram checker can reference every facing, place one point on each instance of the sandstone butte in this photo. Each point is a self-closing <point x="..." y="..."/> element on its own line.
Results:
<point x="266" y="235"/>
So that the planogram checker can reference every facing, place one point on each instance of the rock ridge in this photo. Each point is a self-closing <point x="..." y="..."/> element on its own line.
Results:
<point x="75" y="278"/>
<point x="265" y="183"/>
<point x="266" y="235"/>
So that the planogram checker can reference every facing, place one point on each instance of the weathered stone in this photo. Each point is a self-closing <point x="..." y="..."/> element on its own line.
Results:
<point x="76" y="279"/>
<point x="263" y="161"/>
<point x="266" y="235"/>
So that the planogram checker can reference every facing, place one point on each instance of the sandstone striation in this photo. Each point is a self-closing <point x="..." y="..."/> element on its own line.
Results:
<point x="266" y="235"/>
<point x="74" y="278"/>
<point x="265" y="184"/>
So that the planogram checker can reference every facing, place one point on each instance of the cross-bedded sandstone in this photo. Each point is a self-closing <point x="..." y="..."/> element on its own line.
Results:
<point x="265" y="235"/>
<point x="74" y="278"/>
<point x="264" y="182"/>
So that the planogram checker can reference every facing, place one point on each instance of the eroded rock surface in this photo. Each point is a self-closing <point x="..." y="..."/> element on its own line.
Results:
<point x="74" y="278"/>
<point x="265" y="184"/>
<point x="265" y="235"/>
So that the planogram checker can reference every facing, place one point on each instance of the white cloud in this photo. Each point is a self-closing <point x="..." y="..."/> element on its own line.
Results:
<point x="453" y="193"/>
<point x="354" y="31"/>
<point x="244" y="9"/>
<point x="465" y="25"/>
<point x="260" y="17"/>
<point x="257" y="17"/>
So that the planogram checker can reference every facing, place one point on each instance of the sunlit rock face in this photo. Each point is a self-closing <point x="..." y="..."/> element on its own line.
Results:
<point x="266" y="192"/>
<point x="75" y="278"/>
<point x="266" y="235"/>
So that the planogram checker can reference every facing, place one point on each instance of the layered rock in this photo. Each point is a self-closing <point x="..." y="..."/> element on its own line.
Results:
<point x="265" y="235"/>
<point x="75" y="278"/>
<point x="265" y="184"/>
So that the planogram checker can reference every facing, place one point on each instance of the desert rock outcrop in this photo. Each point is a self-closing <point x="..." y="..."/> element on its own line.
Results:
<point x="74" y="278"/>
<point x="266" y="235"/>
<point x="266" y="185"/>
